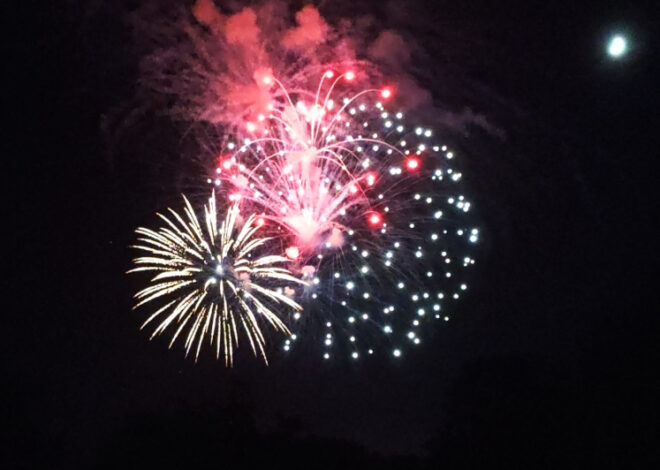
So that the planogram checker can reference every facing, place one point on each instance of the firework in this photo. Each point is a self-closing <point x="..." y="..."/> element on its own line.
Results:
<point x="213" y="281"/>
<point x="368" y="209"/>
<point x="365" y="210"/>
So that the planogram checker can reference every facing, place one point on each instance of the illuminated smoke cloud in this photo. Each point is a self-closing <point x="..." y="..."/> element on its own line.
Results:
<point x="311" y="30"/>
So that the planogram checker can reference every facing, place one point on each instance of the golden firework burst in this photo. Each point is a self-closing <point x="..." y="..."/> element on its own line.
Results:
<point x="211" y="281"/>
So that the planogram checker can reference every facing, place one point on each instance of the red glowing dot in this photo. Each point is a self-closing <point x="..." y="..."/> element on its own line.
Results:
<point x="375" y="218"/>
<point x="386" y="93"/>
<point x="292" y="252"/>
<point x="350" y="76"/>
<point x="371" y="179"/>
<point x="329" y="74"/>
<point x="260" y="221"/>
<point x="226" y="164"/>
<point x="250" y="126"/>
<point x="235" y="197"/>
<point x="268" y="80"/>
<point x="412" y="164"/>
<point x="353" y="188"/>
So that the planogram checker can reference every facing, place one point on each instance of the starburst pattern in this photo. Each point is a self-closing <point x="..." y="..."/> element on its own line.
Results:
<point x="370" y="210"/>
<point x="213" y="281"/>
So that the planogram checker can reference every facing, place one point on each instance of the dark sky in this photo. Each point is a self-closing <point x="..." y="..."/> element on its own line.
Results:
<point x="551" y="361"/>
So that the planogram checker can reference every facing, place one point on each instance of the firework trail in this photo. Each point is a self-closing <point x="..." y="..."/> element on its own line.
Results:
<point x="211" y="281"/>
<point x="366" y="211"/>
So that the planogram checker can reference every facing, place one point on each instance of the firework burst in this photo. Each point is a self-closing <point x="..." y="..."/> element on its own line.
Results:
<point x="369" y="209"/>
<point x="366" y="212"/>
<point x="213" y="281"/>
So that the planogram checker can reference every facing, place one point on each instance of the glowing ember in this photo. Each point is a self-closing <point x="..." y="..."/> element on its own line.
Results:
<point x="375" y="218"/>
<point x="292" y="252"/>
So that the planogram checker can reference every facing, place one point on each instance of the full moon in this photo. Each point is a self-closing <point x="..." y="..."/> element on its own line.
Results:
<point x="617" y="46"/>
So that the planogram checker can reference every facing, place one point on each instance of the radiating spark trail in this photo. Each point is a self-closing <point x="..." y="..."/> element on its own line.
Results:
<point x="213" y="281"/>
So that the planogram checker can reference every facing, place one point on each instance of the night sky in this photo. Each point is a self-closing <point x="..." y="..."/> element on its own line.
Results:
<point x="550" y="362"/>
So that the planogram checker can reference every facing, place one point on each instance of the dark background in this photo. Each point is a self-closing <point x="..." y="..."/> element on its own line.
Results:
<point x="550" y="363"/>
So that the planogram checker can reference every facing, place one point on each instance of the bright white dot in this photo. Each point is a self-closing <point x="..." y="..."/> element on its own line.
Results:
<point x="350" y="285"/>
<point x="617" y="46"/>
<point x="355" y="355"/>
<point x="326" y="356"/>
<point x="396" y="352"/>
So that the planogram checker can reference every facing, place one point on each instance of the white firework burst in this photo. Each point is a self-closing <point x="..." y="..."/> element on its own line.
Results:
<point x="212" y="282"/>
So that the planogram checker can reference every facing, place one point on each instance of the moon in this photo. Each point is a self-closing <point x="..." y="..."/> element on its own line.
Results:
<point x="617" y="46"/>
